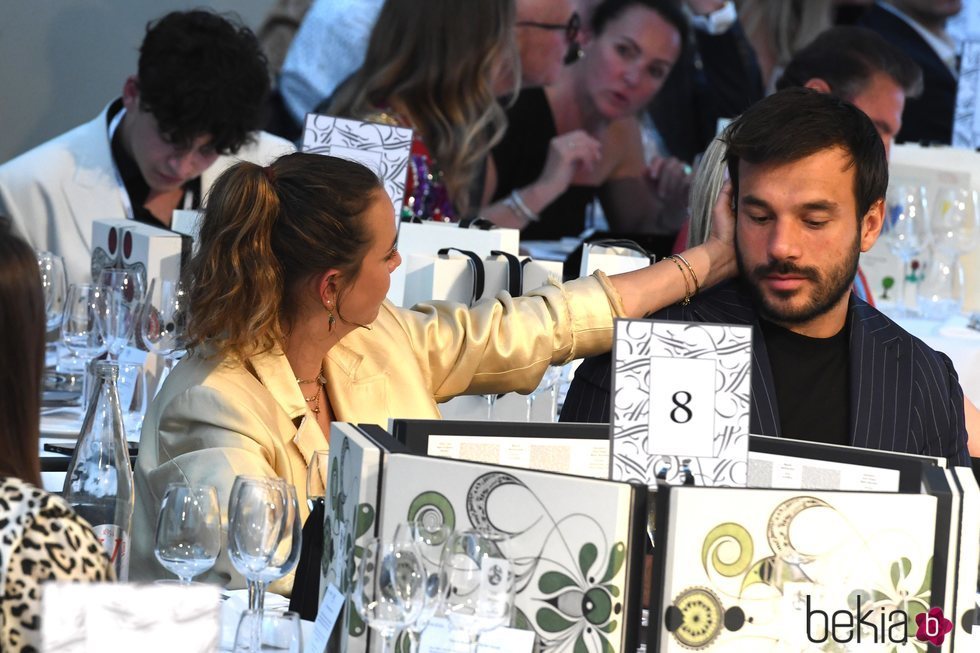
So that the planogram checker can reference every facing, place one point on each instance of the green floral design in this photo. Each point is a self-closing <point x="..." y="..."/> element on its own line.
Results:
<point x="584" y="606"/>
<point x="901" y="594"/>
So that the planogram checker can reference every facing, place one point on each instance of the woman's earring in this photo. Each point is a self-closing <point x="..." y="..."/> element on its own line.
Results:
<point x="330" y="317"/>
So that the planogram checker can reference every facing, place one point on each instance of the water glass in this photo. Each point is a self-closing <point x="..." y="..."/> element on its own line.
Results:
<point x="54" y="283"/>
<point x="188" y="534"/>
<point x="480" y="583"/>
<point x="906" y="231"/>
<point x="430" y="538"/>
<point x="163" y="320"/>
<point x="268" y="631"/>
<point x="940" y="293"/>
<point x="389" y="592"/>
<point x="126" y="288"/>
<point x="256" y="521"/>
<point x="132" y="398"/>
<point x="287" y="552"/>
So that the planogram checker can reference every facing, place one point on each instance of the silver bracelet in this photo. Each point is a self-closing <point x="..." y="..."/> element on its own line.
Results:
<point x="515" y="203"/>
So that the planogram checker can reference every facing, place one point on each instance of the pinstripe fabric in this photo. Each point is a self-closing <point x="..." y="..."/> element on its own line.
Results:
<point x="904" y="396"/>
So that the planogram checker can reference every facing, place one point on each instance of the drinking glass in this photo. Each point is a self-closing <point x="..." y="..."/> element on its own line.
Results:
<point x="126" y="288"/>
<point x="268" y="631"/>
<point x="257" y="510"/>
<point x="316" y="478"/>
<point x="164" y="317"/>
<point x="906" y="231"/>
<point x="82" y="332"/>
<point x="188" y="535"/>
<point x="287" y="552"/>
<point x="54" y="283"/>
<point x="430" y="539"/>
<point x="132" y="398"/>
<point x="389" y="591"/>
<point x="480" y="583"/>
<point x="954" y="226"/>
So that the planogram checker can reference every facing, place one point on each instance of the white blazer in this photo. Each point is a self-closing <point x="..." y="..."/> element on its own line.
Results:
<point x="56" y="191"/>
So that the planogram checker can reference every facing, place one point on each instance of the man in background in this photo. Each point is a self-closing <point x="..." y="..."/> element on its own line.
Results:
<point x="191" y="110"/>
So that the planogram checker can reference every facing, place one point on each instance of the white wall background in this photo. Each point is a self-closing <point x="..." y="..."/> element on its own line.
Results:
<point x="61" y="61"/>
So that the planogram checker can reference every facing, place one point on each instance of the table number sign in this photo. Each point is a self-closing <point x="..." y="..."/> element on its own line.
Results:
<point x="382" y="148"/>
<point x="681" y="398"/>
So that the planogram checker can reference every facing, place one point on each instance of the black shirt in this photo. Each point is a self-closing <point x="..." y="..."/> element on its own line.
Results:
<point x="136" y="187"/>
<point x="812" y="383"/>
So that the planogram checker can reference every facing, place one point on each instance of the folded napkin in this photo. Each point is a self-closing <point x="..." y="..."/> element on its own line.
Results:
<point x="956" y="327"/>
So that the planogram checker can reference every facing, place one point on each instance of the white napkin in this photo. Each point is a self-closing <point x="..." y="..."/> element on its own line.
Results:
<point x="956" y="327"/>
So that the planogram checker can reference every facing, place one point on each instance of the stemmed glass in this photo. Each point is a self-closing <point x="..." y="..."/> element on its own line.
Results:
<point x="287" y="552"/>
<point x="163" y="320"/>
<point x="54" y="283"/>
<point x="257" y="510"/>
<point x="188" y="535"/>
<point x="389" y="593"/>
<point x="126" y="289"/>
<point x="81" y="328"/>
<point x="906" y="231"/>
<point x="430" y="539"/>
<point x="316" y="478"/>
<point x="480" y="583"/>
<point x="268" y="631"/>
<point x="954" y="226"/>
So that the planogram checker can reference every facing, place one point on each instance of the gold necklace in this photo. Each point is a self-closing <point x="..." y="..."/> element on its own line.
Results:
<point x="320" y="381"/>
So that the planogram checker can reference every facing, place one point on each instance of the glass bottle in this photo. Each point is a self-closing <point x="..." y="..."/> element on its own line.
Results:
<point x="99" y="482"/>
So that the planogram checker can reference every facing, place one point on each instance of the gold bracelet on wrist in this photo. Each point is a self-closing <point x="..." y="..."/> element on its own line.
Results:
<point x="697" y="284"/>
<point x="687" y="286"/>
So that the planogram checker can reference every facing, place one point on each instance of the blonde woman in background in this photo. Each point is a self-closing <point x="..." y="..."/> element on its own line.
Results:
<point x="778" y="29"/>
<point x="434" y="66"/>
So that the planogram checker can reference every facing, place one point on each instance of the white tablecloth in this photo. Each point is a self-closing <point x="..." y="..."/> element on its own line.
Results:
<point x="962" y="345"/>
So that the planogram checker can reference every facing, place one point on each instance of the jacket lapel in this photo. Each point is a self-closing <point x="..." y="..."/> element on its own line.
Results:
<point x="275" y="373"/>
<point x="92" y="193"/>
<point x="358" y="392"/>
<point x="881" y="379"/>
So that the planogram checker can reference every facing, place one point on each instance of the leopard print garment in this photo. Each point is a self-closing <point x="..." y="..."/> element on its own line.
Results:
<point x="41" y="539"/>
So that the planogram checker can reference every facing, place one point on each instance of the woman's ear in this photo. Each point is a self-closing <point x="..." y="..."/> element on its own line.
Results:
<point x="328" y="286"/>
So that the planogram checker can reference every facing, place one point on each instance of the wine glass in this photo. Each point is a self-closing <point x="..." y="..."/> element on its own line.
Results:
<point x="954" y="226"/>
<point x="287" y="552"/>
<point x="389" y="592"/>
<point x="126" y="289"/>
<point x="316" y="478"/>
<point x="82" y="332"/>
<point x="430" y="539"/>
<point x="906" y="231"/>
<point x="480" y="583"/>
<point x="188" y="535"/>
<point x="256" y="520"/>
<point x="54" y="283"/>
<point x="260" y="631"/>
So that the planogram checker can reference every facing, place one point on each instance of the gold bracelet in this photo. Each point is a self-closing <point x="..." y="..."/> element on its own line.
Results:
<point x="697" y="284"/>
<point x="687" y="286"/>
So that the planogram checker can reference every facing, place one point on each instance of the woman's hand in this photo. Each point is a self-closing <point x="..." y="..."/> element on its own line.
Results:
<point x="721" y="239"/>
<point x="568" y="155"/>
<point x="670" y="179"/>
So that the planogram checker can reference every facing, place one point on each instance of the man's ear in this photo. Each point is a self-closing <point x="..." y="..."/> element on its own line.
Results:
<point x="872" y="223"/>
<point x="818" y="85"/>
<point x="131" y="93"/>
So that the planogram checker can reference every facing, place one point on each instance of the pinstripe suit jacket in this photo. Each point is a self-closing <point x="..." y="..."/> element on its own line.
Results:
<point x="904" y="396"/>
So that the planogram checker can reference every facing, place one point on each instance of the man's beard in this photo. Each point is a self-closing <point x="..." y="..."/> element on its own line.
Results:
<point x="826" y="291"/>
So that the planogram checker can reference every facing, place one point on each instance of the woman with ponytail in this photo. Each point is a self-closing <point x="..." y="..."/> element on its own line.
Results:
<point x="290" y="330"/>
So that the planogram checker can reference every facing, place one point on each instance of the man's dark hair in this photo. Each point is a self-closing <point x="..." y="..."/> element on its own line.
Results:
<point x="846" y="58"/>
<point x="795" y="123"/>
<point x="200" y="73"/>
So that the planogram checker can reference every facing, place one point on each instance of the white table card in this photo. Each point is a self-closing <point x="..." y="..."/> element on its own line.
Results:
<point x="382" y="148"/>
<point x="439" y="638"/>
<point x="83" y="618"/>
<point x="681" y="398"/>
<point x="326" y="619"/>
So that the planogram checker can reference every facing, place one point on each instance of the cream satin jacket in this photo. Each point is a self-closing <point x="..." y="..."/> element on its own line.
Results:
<point x="217" y="418"/>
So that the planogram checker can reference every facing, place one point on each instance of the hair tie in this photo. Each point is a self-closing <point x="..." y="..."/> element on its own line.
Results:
<point x="270" y="174"/>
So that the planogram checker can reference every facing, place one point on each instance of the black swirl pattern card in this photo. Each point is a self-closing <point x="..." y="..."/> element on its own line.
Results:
<point x="680" y="402"/>
<point x="382" y="148"/>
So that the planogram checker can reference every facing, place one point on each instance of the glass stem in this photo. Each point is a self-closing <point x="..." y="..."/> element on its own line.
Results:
<point x="904" y="301"/>
<point x="414" y="637"/>
<point x="387" y="641"/>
